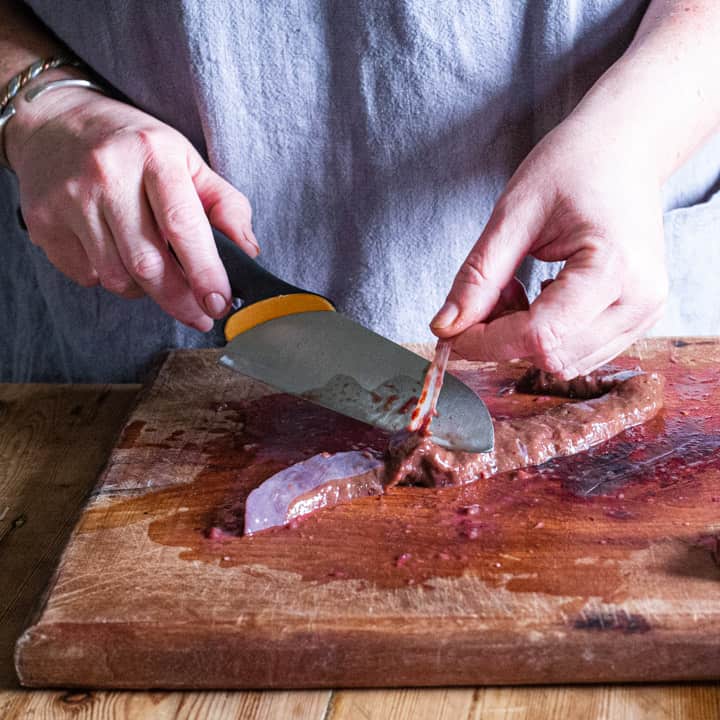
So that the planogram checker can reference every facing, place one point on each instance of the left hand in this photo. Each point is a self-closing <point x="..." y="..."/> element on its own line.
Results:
<point x="116" y="197"/>
<point x="586" y="196"/>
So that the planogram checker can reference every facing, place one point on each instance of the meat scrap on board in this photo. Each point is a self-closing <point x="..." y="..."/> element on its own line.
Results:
<point x="607" y="403"/>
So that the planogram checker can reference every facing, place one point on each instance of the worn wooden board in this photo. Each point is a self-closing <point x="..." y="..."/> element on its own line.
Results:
<point x="54" y="441"/>
<point x="594" y="568"/>
<point x="49" y="432"/>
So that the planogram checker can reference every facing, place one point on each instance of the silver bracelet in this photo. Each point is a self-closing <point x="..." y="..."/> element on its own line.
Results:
<point x="19" y="81"/>
<point x="39" y="90"/>
<point x="5" y="115"/>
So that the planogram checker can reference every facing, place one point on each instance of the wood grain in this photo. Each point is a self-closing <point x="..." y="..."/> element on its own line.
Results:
<point x="249" y="705"/>
<point x="631" y="702"/>
<point x="623" y="702"/>
<point x="591" y="568"/>
<point x="88" y="436"/>
<point x="54" y="440"/>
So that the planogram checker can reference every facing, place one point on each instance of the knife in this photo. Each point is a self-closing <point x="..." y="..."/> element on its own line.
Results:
<point x="296" y="341"/>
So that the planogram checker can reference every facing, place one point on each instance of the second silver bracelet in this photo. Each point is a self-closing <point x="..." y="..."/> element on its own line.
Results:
<point x="41" y="89"/>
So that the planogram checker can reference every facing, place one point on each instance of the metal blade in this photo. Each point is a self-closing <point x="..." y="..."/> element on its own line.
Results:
<point x="331" y="360"/>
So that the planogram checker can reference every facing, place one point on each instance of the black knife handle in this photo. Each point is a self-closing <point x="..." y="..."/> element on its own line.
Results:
<point x="249" y="281"/>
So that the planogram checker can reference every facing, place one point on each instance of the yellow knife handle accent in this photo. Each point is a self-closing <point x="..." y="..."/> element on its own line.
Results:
<point x="274" y="307"/>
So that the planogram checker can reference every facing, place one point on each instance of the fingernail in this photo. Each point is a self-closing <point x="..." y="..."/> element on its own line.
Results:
<point x="446" y="316"/>
<point x="215" y="303"/>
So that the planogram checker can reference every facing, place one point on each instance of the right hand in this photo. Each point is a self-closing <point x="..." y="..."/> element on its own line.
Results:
<point x="107" y="191"/>
<point x="589" y="195"/>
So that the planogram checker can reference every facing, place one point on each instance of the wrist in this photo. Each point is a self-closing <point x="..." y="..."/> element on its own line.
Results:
<point x="619" y="110"/>
<point x="657" y="109"/>
<point x="29" y="117"/>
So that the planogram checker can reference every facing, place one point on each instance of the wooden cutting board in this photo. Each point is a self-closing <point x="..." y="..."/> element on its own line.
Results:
<point x="598" y="567"/>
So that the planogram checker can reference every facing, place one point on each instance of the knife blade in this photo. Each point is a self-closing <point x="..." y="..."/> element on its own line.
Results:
<point x="296" y="341"/>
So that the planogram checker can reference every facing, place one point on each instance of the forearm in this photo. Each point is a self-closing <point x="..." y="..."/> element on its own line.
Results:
<point x="23" y="39"/>
<point x="662" y="97"/>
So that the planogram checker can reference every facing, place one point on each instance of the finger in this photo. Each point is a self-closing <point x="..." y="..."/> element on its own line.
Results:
<point x="99" y="245"/>
<point x="227" y="209"/>
<point x="584" y="288"/>
<point x="513" y="297"/>
<point x="588" y="284"/>
<point x="184" y="226"/>
<point x="612" y="347"/>
<point x="149" y="262"/>
<point x="67" y="254"/>
<point x="513" y="225"/>
<point x="496" y="340"/>
<point x="596" y="337"/>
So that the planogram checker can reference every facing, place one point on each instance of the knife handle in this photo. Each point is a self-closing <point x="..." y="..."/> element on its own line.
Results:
<point x="264" y="295"/>
<point x="249" y="281"/>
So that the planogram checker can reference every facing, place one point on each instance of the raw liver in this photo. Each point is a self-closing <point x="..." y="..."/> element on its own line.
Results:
<point x="597" y="567"/>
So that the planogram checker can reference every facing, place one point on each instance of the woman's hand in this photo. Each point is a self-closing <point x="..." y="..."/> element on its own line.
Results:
<point x="589" y="194"/>
<point x="116" y="197"/>
<point x="585" y="196"/>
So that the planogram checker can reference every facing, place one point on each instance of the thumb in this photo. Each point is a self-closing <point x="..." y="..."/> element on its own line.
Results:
<point x="227" y="208"/>
<point x="490" y="266"/>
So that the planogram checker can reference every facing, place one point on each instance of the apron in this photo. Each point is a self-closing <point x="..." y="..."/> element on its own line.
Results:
<point x="372" y="139"/>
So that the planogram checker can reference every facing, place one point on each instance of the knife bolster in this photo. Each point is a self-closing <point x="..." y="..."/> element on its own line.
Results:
<point x="271" y="308"/>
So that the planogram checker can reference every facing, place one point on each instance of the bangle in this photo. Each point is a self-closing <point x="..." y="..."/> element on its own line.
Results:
<point x="39" y="90"/>
<point x="5" y="115"/>
<point x="17" y="83"/>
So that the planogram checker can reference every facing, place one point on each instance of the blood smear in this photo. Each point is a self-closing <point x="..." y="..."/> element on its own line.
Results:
<point x="424" y="411"/>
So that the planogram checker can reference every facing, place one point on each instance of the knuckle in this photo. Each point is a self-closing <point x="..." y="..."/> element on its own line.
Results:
<point x="100" y="163"/>
<point x="201" y="276"/>
<point x="543" y="340"/>
<point x="181" y="220"/>
<point x="147" y="265"/>
<point x="472" y="272"/>
<point x="86" y="203"/>
<point x="73" y="189"/>
<point x="150" y="140"/>
<point x="117" y="283"/>
<point x="133" y="293"/>
<point x="80" y="195"/>
<point x="86" y="280"/>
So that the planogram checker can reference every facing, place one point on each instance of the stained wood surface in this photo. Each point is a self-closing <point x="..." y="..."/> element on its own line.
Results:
<point x="79" y="437"/>
<point x="54" y="440"/>
<point x="593" y="568"/>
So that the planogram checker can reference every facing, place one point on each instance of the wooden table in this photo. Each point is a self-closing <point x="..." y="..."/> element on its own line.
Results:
<point x="49" y="433"/>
